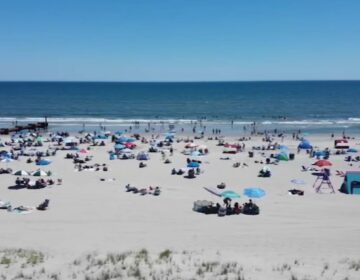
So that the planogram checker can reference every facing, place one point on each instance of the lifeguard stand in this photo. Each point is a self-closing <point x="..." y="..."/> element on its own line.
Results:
<point x="323" y="181"/>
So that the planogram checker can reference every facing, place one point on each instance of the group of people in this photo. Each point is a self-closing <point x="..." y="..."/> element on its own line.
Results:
<point x="248" y="208"/>
<point x="41" y="183"/>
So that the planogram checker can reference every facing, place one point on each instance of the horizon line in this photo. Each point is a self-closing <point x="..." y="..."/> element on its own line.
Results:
<point x="182" y="81"/>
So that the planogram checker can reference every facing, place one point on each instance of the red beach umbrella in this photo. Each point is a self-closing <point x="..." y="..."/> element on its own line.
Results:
<point x="322" y="163"/>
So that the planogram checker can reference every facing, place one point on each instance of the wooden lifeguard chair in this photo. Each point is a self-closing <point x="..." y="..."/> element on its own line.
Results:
<point x="324" y="182"/>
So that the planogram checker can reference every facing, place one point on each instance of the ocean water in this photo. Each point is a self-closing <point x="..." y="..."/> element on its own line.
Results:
<point x="302" y="104"/>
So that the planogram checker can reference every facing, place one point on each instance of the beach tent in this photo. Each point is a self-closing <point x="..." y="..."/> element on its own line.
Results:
<point x="352" y="150"/>
<point x="351" y="183"/>
<point x="40" y="172"/>
<point x="254" y="192"/>
<point x="142" y="156"/>
<point x="305" y="145"/>
<point x="21" y="173"/>
<point x="193" y="164"/>
<point x="283" y="156"/>
<point x="230" y="194"/>
<point x="43" y="162"/>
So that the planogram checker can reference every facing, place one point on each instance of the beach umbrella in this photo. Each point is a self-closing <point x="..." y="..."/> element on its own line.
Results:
<point x="193" y="164"/>
<point x="305" y="145"/>
<point x="298" y="182"/>
<point x="126" y="151"/>
<point x="39" y="172"/>
<point x="352" y="150"/>
<point x="195" y="153"/>
<point x="43" y="162"/>
<point x="130" y="145"/>
<point x="119" y="147"/>
<point x="254" y="192"/>
<point x="70" y="140"/>
<point x="322" y="163"/>
<point x="169" y="135"/>
<point x="83" y="151"/>
<point x="230" y="194"/>
<point x="21" y="173"/>
<point x="119" y="132"/>
<point x="191" y="145"/>
<point x="283" y="147"/>
<point x="7" y="160"/>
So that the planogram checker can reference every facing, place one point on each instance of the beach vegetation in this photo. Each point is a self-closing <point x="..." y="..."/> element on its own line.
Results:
<point x="165" y="254"/>
<point x="355" y="265"/>
<point x="5" y="261"/>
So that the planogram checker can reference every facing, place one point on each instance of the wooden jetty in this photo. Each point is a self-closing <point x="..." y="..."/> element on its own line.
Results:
<point x="30" y="126"/>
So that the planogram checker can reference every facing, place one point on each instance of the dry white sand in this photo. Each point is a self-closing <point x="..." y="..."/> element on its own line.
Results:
<point x="317" y="235"/>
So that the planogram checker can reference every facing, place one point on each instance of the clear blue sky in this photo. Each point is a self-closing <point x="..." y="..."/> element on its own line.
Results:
<point x="168" y="40"/>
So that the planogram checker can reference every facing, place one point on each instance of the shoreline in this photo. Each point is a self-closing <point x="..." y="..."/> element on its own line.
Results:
<point x="89" y="215"/>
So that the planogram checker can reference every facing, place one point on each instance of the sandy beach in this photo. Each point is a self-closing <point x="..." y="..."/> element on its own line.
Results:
<point x="87" y="215"/>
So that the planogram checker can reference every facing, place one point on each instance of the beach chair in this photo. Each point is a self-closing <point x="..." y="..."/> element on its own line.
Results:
<point x="324" y="180"/>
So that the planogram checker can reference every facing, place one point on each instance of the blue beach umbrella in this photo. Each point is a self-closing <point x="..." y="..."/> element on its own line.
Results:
<point x="305" y="145"/>
<point x="43" y="162"/>
<point x="352" y="150"/>
<point x="119" y="147"/>
<point x="193" y="164"/>
<point x="254" y="192"/>
<point x="283" y="147"/>
<point x="195" y="153"/>
<point x="230" y="194"/>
